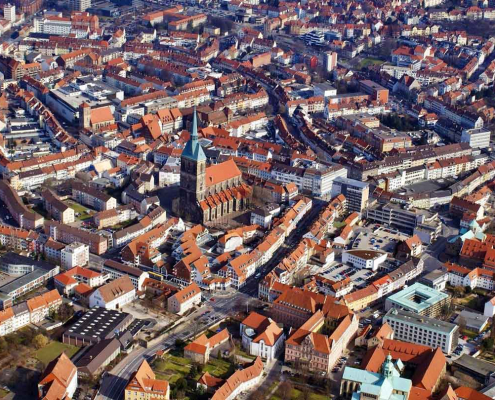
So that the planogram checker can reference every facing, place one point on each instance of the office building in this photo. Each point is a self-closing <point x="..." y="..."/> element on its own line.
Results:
<point x="477" y="138"/>
<point x="368" y="259"/>
<point x="414" y="328"/>
<point x="79" y="5"/>
<point x="9" y="12"/>
<point x="74" y="255"/>
<point x="355" y="192"/>
<point x="419" y="299"/>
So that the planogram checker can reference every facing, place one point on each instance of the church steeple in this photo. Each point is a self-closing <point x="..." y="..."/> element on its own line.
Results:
<point x="193" y="149"/>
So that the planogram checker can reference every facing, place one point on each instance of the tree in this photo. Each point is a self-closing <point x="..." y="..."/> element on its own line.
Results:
<point x="462" y="324"/>
<point x="40" y="341"/>
<point x="284" y="390"/>
<point x="257" y="395"/>
<point x="487" y="344"/>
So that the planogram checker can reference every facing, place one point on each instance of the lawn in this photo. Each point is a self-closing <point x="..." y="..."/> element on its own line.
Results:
<point x="53" y="350"/>
<point x="339" y="224"/>
<point x="219" y="368"/>
<point x="78" y="208"/>
<point x="296" y="394"/>
<point x="3" y="393"/>
<point x="369" y="61"/>
<point x="172" y="368"/>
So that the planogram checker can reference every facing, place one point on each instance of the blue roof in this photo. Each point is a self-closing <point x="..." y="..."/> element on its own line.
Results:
<point x="193" y="149"/>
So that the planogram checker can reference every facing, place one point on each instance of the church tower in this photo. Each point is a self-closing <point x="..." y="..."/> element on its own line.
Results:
<point x="192" y="177"/>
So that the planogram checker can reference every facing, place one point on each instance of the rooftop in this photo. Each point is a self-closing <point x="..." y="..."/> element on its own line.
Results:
<point x="417" y="298"/>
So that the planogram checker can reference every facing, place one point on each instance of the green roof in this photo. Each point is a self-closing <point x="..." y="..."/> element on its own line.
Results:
<point x="417" y="298"/>
<point x="193" y="149"/>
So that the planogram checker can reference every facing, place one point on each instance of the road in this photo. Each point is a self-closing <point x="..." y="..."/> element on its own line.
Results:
<point x="114" y="383"/>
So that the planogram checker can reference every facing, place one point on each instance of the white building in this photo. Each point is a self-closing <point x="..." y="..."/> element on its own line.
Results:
<point x="330" y="60"/>
<point x="489" y="308"/>
<point x="184" y="299"/>
<point x="9" y="12"/>
<point x="74" y="255"/>
<point x="477" y="138"/>
<point x="261" y="336"/>
<point x="414" y="328"/>
<point x="261" y="217"/>
<point x="368" y="259"/>
<point x="114" y="295"/>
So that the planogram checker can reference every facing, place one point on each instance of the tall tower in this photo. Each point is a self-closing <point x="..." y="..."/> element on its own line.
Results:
<point x="192" y="176"/>
<point x="84" y="116"/>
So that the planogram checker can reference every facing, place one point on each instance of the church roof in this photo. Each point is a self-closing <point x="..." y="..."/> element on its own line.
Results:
<point x="193" y="149"/>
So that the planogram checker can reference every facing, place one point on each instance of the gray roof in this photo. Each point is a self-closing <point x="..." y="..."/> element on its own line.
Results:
<point x="97" y="355"/>
<point x="474" y="364"/>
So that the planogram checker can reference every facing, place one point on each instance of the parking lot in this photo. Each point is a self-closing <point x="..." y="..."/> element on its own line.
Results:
<point x="341" y="271"/>
<point x="378" y="238"/>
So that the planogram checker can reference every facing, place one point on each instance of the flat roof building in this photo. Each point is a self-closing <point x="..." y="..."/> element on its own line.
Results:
<point x="414" y="328"/>
<point x="419" y="299"/>
<point x="96" y="325"/>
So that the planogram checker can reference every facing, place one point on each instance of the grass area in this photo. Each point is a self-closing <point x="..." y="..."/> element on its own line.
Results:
<point x="219" y="368"/>
<point x="370" y="61"/>
<point x="124" y="224"/>
<point x="240" y="352"/>
<point x="78" y="208"/>
<point x="172" y="368"/>
<point x="3" y="393"/>
<point x="469" y="334"/>
<point x="339" y="224"/>
<point x="53" y="350"/>
<point x="297" y="394"/>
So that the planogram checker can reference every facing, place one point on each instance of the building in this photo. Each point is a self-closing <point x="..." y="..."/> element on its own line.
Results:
<point x="144" y="385"/>
<point x="330" y="61"/>
<point x="28" y="273"/>
<point x="59" y="380"/>
<point x="79" y="5"/>
<point x="387" y="384"/>
<point x="95" y="325"/>
<point x="435" y="279"/>
<point x="94" y="361"/>
<point x="56" y="208"/>
<point x="425" y="224"/>
<point x="355" y="192"/>
<point x="78" y="277"/>
<point x="476" y="368"/>
<point x="97" y="243"/>
<point x="208" y="193"/>
<point x="201" y="348"/>
<point x="113" y="295"/>
<point x="489" y="310"/>
<point x="261" y="336"/>
<point x="184" y="299"/>
<point x="368" y="259"/>
<point x="319" y="343"/>
<point x="419" y="299"/>
<point x="414" y="328"/>
<point x="92" y="197"/>
<point x="471" y="320"/>
<point x="240" y="381"/>
<point x="117" y="270"/>
<point x="9" y="12"/>
<point x="476" y="138"/>
<point x="25" y="217"/>
<point x="74" y="255"/>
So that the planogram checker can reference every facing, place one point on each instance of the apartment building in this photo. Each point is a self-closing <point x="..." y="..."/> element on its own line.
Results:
<point x="200" y="349"/>
<point x="184" y="299"/>
<point x="67" y="282"/>
<point x="116" y="270"/>
<point x="414" y="328"/>
<point x="59" y="380"/>
<point x="25" y="217"/>
<point x="144" y="385"/>
<point x="56" y="208"/>
<point x="458" y="275"/>
<point x="355" y="192"/>
<point x="98" y="244"/>
<point x="74" y="255"/>
<point x="368" y="259"/>
<point x="92" y="197"/>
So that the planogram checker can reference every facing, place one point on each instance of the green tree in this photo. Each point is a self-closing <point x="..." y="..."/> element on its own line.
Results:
<point x="40" y="341"/>
<point x="487" y="344"/>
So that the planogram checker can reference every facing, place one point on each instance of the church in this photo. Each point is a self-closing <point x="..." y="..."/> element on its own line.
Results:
<point x="208" y="193"/>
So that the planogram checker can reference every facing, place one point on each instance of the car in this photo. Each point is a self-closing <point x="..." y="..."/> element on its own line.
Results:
<point x="212" y="299"/>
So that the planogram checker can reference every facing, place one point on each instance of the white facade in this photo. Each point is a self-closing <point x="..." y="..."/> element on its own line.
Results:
<point x="489" y="308"/>
<point x="74" y="255"/>
<point x="96" y="300"/>
<point x="477" y="138"/>
<point x="364" y="258"/>
<point x="9" y="12"/>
